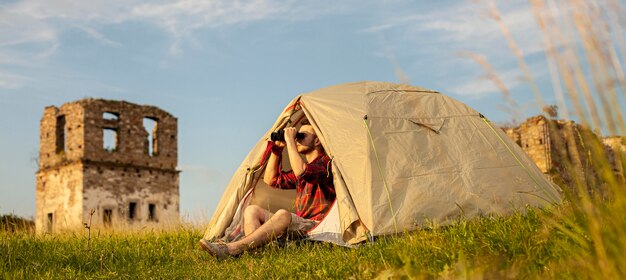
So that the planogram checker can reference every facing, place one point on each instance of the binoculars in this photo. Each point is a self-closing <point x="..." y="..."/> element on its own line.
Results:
<point x="280" y="135"/>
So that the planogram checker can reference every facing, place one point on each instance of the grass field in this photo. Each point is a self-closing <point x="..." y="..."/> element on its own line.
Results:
<point x="518" y="246"/>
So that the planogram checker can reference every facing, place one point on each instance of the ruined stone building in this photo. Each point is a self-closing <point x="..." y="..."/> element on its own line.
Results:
<point x="553" y="144"/>
<point x="114" y="158"/>
<point x="533" y="136"/>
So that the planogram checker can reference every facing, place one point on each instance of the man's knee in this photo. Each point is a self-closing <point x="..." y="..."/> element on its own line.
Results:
<point x="253" y="210"/>
<point x="283" y="215"/>
<point x="254" y="213"/>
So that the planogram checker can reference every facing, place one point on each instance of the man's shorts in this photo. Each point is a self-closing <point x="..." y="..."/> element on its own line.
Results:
<point x="300" y="226"/>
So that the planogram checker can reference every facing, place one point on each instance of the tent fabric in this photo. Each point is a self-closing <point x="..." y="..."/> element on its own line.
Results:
<point x="402" y="157"/>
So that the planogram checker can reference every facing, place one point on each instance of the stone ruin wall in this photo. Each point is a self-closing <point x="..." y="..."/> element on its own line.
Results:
<point x="59" y="192"/>
<point x="113" y="188"/>
<point x="53" y="150"/>
<point x="131" y="135"/>
<point x="535" y="141"/>
<point x="617" y="145"/>
<point x="77" y="174"/>
<point x="534" y="136"/>
<point x="59" y="179"/>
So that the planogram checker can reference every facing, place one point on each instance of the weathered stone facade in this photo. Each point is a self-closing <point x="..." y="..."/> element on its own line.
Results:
<point x="132" y="180"/>
<point x="564" y="149"/>
<point x="533" y="136"/>
<point x="617" y="147"/>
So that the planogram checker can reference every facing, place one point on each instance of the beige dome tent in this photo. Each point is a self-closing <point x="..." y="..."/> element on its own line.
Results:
<point x="402" y="156"/>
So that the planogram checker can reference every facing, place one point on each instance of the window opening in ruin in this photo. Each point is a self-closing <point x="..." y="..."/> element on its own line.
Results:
<point x="132" y="210"/>
<point x="110" y="140"/>
<point x="107" y="217"/>
<point x="61" y="133"/>
<point x="110" y="116"/>
<point x="540" y="141"/>
<point x="151" y="145"/>
<point x="49" y="222"/>
<point x="152" y="212"/>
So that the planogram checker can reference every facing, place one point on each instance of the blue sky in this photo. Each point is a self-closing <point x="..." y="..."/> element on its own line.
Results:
<point x="226" y="68"/>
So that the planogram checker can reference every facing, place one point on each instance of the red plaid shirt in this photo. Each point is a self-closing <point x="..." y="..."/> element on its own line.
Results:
<point x="316" y="192"/>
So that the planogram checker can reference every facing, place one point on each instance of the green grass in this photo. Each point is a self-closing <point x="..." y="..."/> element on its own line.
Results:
<point x="515" y="246"/>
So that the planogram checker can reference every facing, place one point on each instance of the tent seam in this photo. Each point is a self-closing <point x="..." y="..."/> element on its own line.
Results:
<point x="395" y="223"/>
<point x="519" y="162"/>
<point x="443" y="117"/>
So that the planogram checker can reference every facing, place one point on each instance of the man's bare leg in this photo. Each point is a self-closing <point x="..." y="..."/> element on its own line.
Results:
<point x="253" y="217"/>
<point x="274" y="227"/>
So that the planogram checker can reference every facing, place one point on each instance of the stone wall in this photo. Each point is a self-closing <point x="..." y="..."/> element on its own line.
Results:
<point x="533" y="137"/>
<point x="80" y="172"/>
<point x="114" y="188"/>
<point x="616" y="143"/>
<point x="132" y="137"/>
<point x="562" y="149"/>
<point x="61" y="135"/>
<point x="535" y="142"/>
<point x="616" y="146"/>
<point x="59" y="198"/>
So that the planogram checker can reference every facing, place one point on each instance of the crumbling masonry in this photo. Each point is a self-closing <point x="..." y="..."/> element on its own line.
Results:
<point x="97" y="155"/>
<point x="564" y="149"/>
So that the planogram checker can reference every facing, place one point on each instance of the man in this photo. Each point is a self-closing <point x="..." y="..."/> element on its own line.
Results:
<point x="312" y="180"/>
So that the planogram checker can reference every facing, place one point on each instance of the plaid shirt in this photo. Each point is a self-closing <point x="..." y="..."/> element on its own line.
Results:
<point x="316" y="192"/>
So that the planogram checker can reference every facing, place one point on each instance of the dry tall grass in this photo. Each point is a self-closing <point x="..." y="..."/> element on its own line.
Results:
<point x="585" y="49"/>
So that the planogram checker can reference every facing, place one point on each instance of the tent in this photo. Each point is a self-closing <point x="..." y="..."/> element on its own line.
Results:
<point x="402" y="157"/>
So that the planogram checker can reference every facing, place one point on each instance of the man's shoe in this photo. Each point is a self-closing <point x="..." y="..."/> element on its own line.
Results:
<point x="219" y="250"/>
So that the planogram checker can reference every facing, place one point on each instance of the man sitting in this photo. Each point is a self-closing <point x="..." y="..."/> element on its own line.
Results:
<point x="313" y="182"/>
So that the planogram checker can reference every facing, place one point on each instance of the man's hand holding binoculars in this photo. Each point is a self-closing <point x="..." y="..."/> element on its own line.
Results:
<point x="290" y="135"/>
